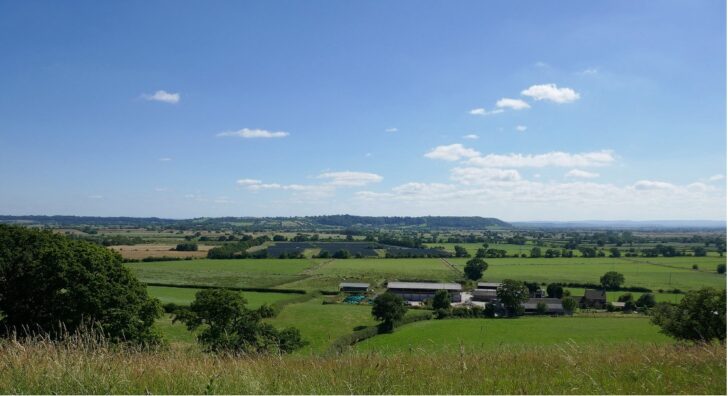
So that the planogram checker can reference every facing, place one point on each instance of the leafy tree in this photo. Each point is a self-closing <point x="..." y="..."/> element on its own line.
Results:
<point x="695" y="266"/>
<point x="720" y="269"/>
<point x="647" y="300"/>
<point x="186" y="247"/>
<point x="611" y="280"/>
<point x="481" y="252"/>
<point x="614" y="252"/>
<point x="541" y="308"/>
<point x="625" y="297"/>
<point x="554" y="290"/>
<point x="279" y="238"/>
<point x="228" y="325"/>
<point x="699" y="251"/>
<point x="569" y="304"/>
<point x="48" y="280"/>
<point x="461" y="251"/>
<point x="388" y="308"/>
<point x="441" y="300"/>
<point x="536" y="252"/>
<point x="512" y="294"/>
<point x="474" y="268"/>
<point x="341" y="254"/>
<point x="700" y="316"/>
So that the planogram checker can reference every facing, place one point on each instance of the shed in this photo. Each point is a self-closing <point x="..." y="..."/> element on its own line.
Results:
<point x="420" y="291"/>
<point x="488" y="285"/>
<point x="594" y="299"/>
<point x="352" y="287"/>
<point x="553" y="305"/>
<point x="486" y="295"/>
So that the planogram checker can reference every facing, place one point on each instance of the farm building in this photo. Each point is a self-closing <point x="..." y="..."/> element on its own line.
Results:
<point x="553" y="305"/>
<point x="619" y="305"/>
<point x="486" y="295"/>
<point x="351" y="287"/>
<point x="594" y="299"/>
<point x="488" y="285"/>
<point x="420" y="291"/>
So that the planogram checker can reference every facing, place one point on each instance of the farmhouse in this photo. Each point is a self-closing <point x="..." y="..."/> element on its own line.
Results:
<point x="350" y="287"/>
<point x="553" y="305"/>
<point x="420" y="291"/>
<point x="594" y="299"/>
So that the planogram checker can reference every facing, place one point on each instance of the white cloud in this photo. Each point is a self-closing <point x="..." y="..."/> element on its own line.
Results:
<point x="248" y="182"/>
<point x="161" y="189"/>
<point x="541" y="64"/>
<point x="551" y="93"/>
<point x="514" y="104"/>
<point x="391" y="130"/>
<point x="253" y="134"/>
<point x="349" y="179"/>
<point x="452" y="152"/>
<point x="521" y="128"/>
<point x="476" y="176"/>
<point x="483" y="112"/>
<point x="653" y="185"/>
<point x="163" y="96"/>
<point x="589" y="71"/>
<point x="716" y="177"/>
<point x="471" y="136"/>
<point x="581" y="174"/>
<point x="555" y="158"/>
<point x="165" y="159"/>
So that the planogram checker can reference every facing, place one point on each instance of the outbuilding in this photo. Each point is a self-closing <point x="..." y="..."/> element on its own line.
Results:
<point x="553" y="305"/>
<point x="420" y="291"/>
<point x="594" y="299"/>
<point x="352" y="287"/>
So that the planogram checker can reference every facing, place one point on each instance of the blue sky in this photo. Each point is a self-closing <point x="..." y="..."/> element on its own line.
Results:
<point x="522" y="110"/>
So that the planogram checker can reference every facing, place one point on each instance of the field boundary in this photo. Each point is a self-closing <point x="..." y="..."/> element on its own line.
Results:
<point x="250" y="289"/>
<point x="340" y="344"/>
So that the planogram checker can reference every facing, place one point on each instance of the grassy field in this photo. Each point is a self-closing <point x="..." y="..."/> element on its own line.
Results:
<point x="184" y="296"/>
<point x="473" y="247"/>
<point x="484" y="334"/>
<point x="614" y="295"/>
<point x="321" y="324"/>
<point x="238" y="273"/>
<point x="68" y="368"/>
<point x="157" y="250"/>
<point x="657" y="273"/>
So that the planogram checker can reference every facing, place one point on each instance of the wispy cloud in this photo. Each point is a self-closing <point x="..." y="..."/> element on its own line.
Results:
<point x="581" y="174"/>
<point x="513" y="104"/>
<point x="163" y="96"/>
<point x="391" y="130"/>
<point x="553" y="159"/>
<point x="552" y="93"/>
<point x="521" y="128"/>
<point x="589" y="71"/>
<point x="716" y="177"/>
<point x="165" y="159"/>
<point x="471" y="136"/>
<point x="653" y="185"/>
<point x="483" y="112"/>
<point x="253" y="134"/>
<point x="452" y="152"/>
<point x="348" y="178"/>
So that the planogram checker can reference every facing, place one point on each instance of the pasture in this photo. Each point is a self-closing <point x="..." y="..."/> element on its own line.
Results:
<point x="230" y="273"/>
<point x="484" y="334"/>
<point x="184" y="296"/>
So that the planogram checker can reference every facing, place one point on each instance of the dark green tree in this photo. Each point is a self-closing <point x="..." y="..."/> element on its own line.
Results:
<point x="536" y="252"/>
<point x="720" y="269"/>
<point x="700" y="316"/>
<point x="228" y="325"/>
<point x="388" y="308"/>
<point x="646" y="300"/>
<point x="461" y="251"/>
<point x="569" y="304"/>
<point x="441" y="300"/>
<point x="474" y="268"/>
<point x="555" y="290"/>
<point x="611" y="280"/>
<point x="512" y="294"/>
<point x="48" y="280"/>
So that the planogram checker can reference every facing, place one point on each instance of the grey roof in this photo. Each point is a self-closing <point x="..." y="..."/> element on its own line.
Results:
<point x="424" y="286"/>
<point x="352" y="284"/>
<point x="485" y="292"/>
<point x="551" y="303"/>
<point x="618" y="304"/>
<point x="591" y="294"/>
<point x="488" y="285"/>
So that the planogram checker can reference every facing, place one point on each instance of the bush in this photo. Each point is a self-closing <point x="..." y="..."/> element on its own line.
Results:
<point x="388" y="308"/>
<point x="48" y="280"/>
<point x="555" y="290"/>
<point x="186" y="247"/>
<point x="720" y="269"/>
<point x="441" y="300"/>
<point x="700" y="316"/>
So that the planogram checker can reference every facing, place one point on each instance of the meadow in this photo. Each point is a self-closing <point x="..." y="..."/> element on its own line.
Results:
<point x="184" y="296"/>
<point x="485" y="334"/>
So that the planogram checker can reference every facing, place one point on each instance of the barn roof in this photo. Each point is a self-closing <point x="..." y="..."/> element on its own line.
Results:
<point x="591" y="294"/>
<point x="488" y="285"/>
<point x="551" y="303"/>
<point x="353" y="284"/>
<point x="424" y="286"/>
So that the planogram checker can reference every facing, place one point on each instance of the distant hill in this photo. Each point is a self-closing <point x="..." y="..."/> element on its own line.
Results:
<point x="625" y="224"/>
<point x="267" y="223"/>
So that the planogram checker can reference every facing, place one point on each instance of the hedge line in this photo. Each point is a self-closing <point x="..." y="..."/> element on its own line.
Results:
<point x="341" y="343"/>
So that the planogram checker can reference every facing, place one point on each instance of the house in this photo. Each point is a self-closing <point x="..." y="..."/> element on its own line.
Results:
<point x="594" y="299"/>
<point x="350" y="287"/>
<point x="420" y="291"/>
<point x="553" y="306"/>
<point x="488" y="285"/>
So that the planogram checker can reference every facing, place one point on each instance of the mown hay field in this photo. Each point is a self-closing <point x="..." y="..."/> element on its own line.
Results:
<point x="139" y="252"/>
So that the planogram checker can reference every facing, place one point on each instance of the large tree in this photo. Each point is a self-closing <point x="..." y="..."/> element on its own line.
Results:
<point x="611" y="280"/>
<point x="48" y="280"/>
<point x="474" y="268"/>
<point x="512" y="294"/>
<point x="388" y="308"/>
<point x="700" y="316"/>
<point x="228" y="325"/>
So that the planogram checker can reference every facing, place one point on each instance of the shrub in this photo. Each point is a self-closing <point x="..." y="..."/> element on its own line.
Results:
<point x="48" y="280"/>
<point x="555" y="290"/>
<point x="720" y="269"/>
<point x="441" y="300"/>
<point x="186" y="247"/>
<point x="388" y="308"/>
<point x="700" y="316"/>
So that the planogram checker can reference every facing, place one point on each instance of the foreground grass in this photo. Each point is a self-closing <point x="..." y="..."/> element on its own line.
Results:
<point x="43" y="367"/>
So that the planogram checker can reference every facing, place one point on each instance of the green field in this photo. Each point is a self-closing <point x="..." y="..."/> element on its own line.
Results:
<point x="237" y="273"/>
<point x="184" y="296"/>
<point x="483" y="334"/>
<point x="321" y="324"/>
<point x="472" y="248"/>
<point x="614" y="295"/>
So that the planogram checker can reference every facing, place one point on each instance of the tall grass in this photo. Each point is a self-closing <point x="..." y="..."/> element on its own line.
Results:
<point x="88" y="365"/>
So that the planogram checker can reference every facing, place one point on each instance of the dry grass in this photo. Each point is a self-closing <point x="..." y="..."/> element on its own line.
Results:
<point x="91" y="367"/>
<point x="142" y="251"/>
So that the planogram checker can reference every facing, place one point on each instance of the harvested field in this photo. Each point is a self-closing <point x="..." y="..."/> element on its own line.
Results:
<point x="142" y="251"/>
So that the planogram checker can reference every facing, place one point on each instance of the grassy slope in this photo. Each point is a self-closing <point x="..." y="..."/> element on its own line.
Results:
<point x="484" y="334"/>
<point x="321" y="324"/>
<point x="45" y="368"/>
<point x="240" y="273"/>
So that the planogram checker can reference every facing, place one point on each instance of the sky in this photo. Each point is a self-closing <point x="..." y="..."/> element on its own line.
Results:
<point x="520" y="110"/>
